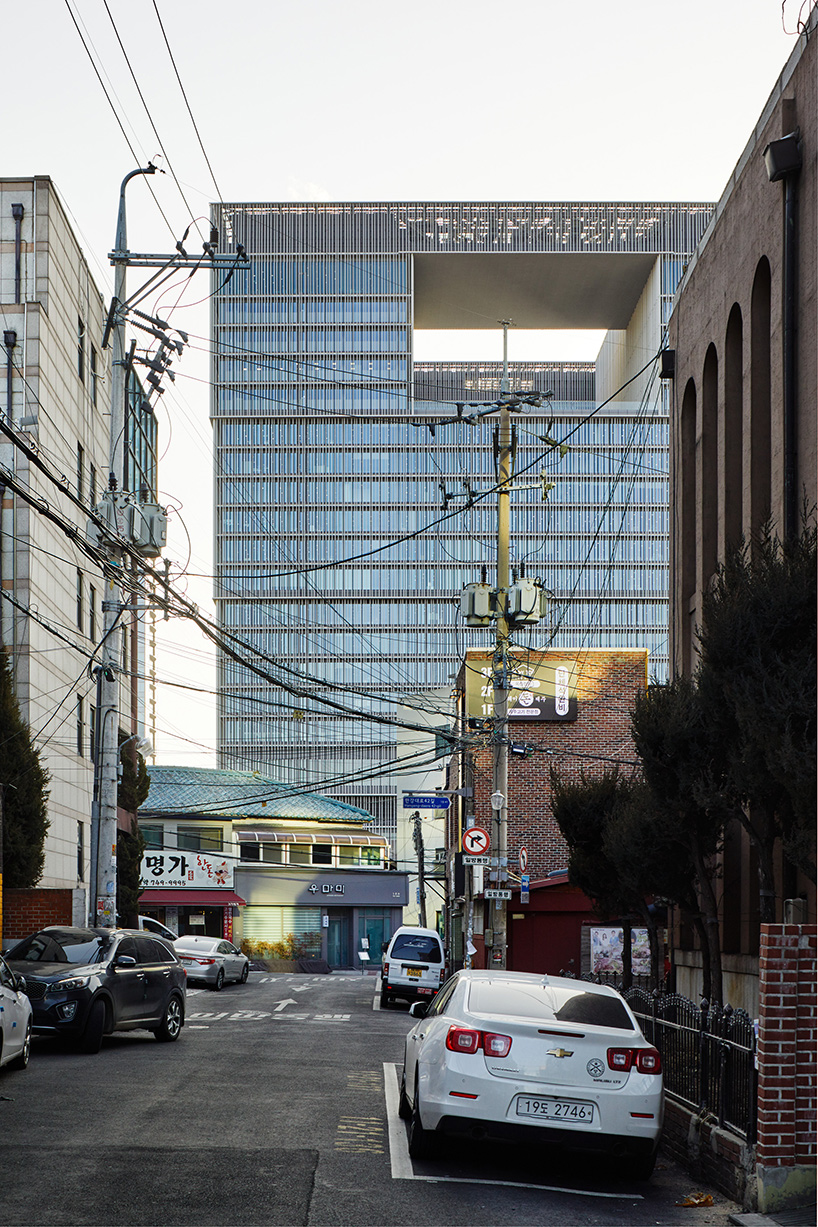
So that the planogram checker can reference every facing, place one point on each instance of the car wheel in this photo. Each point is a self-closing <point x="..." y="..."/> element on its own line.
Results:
<point x="91" y="1038"/>
<point x="404" y="1106"/>
<point x="21" y="1061"/>
<point x="384" y="1001"/>
<point x="219" y="985"/>
<point x="640" y="1167"/>
<point x="244" y="973"/>
<point x="421" y="1143"/>
<point x="171" y="1025"/>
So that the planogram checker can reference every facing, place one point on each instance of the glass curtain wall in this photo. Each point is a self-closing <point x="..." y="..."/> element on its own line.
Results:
<point x="326" y="470"/>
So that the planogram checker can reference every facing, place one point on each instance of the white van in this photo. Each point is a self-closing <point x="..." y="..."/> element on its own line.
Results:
<point x="413" y="965"/>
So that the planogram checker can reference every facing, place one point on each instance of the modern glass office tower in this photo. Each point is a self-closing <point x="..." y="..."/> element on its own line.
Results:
<point x="348" y="513"/>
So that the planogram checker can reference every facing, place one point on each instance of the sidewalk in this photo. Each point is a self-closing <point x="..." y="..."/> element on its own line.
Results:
<point x="784" y="1218"/>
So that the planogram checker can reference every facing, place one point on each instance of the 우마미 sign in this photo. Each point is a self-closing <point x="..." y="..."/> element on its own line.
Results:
<point x="181" y="869"/>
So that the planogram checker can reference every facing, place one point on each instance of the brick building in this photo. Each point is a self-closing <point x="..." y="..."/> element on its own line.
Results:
<point x="744" y="452"/>
<point x="570" y="710"/>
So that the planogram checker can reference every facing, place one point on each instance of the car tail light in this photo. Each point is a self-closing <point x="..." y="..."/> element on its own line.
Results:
<point x="645" y="1060"/>
<point x="464" y="1039"/>
<point x="205" y="962"/>
<point x="385" y="971"/>
<point x="442" y="974"/>
<point x="461" y="1039"/>
<point x="496" y="1045"/>
<point x="648" y="1061"/>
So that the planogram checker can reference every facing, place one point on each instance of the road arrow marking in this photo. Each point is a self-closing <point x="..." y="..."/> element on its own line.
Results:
<point x="282" y="1004"/>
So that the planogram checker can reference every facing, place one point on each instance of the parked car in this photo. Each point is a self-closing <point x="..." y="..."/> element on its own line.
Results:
<point x="212" y="960"/>
<point x="521" y="1057"/>
<point x="85" y="983"/>
<point x="151" y="925"/>
<point x="15" y="1018"/>
<point x="413" y="965"/>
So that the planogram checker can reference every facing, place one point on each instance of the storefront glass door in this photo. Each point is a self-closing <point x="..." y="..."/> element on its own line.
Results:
<point x="339" y="953"/>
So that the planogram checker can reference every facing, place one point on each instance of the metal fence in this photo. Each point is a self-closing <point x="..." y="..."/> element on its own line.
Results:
<point x="708" y="1056"/>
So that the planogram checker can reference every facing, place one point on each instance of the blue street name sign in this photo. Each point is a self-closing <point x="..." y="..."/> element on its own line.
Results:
<point x="428" y="802"/>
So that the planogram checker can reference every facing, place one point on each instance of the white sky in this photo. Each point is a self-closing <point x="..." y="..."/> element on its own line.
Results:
<point x="318" y="100"/>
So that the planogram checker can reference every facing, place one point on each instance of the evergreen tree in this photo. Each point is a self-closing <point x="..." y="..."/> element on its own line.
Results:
<point x="129" y="885"/>
<point x="757" y="677"/>
<point x="24" y="784"/>
<point x="134" y="785"/>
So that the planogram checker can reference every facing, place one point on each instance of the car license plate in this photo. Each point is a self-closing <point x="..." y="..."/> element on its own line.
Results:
<point x="555" y="1109"/>
<point x="413" y="971"/>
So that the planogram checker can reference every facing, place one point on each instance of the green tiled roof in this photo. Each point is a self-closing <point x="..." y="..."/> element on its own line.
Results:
<point x="210" y="793"/>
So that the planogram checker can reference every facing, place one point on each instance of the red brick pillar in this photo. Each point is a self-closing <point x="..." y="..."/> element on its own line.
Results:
<point x="786" y="1146"/>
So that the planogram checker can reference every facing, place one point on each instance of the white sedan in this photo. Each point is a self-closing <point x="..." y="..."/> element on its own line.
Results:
<point x="517" y="1056"/>
<point x="15" y="1019"/>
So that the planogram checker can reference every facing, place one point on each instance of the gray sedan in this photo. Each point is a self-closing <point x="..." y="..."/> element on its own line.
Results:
<point x="212" y="960"/>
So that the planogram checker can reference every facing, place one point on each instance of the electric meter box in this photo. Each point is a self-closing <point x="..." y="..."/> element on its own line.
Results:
<point x="476" y="604"/>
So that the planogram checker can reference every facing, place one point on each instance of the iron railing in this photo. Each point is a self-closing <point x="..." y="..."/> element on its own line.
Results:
<point x="708" y="1056"/>
<point x="708" y="1051"/>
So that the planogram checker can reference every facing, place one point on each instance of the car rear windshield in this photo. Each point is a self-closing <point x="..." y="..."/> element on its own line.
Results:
<point x="548" y="1003"/>
<point x="417" y="947"/>
<point x="57" y="946"/>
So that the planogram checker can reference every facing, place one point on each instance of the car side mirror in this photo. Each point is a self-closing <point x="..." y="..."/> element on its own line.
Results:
<point x="125" y="960"/>
<point x="419" y="1009"/>
<point x="384" y="947"/>
<point x="19" y="983"/>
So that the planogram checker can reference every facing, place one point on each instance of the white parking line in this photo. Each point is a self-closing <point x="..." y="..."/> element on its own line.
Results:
<point x="403" y="1168"/>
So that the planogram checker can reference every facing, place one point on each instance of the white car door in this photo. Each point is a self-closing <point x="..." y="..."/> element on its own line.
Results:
<point x="416" y="1037"/>
<point x="12" y="1016"/>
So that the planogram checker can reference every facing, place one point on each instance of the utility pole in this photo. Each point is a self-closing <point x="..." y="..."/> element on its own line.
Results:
<point x="417" y="839"/>
<point x="500" y="677"/>
<point x="124" y="523"/>
<point x="108" y="713"/>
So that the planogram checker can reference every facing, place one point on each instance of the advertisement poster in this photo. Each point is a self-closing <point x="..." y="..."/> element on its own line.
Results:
<point x="545" y="690"/>
<point x="606" y="951"/>
<point x="197" y="870"/>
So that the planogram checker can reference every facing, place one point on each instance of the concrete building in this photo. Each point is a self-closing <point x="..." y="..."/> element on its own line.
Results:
<point x="56" y="415"/>
<point x="344" y="524"/>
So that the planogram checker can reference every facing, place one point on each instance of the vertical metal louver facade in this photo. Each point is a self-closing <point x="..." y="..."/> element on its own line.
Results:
<point x="323" y="460"/>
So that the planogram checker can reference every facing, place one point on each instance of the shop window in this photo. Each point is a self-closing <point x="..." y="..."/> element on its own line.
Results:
<point x="273" y="854"/>
<point x="154" y="836"/>
<point x="250" y="852"/>
<point x="300" y="854"/>
<point x="322" y="854"/>
<point x="199" y="839"/>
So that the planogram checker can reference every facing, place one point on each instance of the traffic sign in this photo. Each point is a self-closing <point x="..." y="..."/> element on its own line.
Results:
<point x="426" y="802"/>
<point x="476" y="840"/>
<point x="497" y="894"/>
<point x="525" y="881"/>
<point x="523" y="859"/>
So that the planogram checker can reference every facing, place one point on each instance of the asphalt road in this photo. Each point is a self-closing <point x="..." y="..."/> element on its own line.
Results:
<point x="278" y="1106"/>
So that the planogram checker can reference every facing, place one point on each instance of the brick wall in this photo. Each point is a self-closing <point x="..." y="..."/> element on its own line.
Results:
<point x="786" y="1046"/>
<point x="607" y="683"/>
<point x="25" y="911"/>
<point x="708" y="1153"/>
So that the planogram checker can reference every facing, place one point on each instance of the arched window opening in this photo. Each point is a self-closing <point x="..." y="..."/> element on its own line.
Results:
<point x="733" y="428"/>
